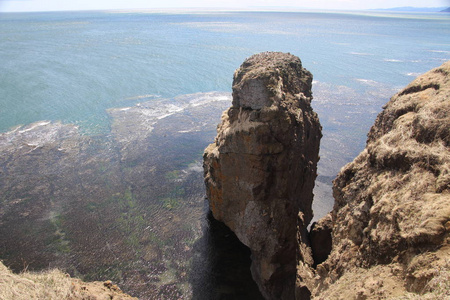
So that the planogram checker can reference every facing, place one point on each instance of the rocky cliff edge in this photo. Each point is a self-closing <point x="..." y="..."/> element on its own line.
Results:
<point x="55" y="285"/>
<point x="391" y="220"/>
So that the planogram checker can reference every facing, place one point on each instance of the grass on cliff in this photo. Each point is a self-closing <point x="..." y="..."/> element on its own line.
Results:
<point x="437" y="288"/>
<point x="50" y="285"/>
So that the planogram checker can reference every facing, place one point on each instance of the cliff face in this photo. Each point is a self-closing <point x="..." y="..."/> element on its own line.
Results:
<point x="260" y="171"/>
<point x="391" y="219"/>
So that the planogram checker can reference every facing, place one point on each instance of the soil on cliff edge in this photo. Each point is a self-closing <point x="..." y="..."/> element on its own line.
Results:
<point x="54" y="285"/>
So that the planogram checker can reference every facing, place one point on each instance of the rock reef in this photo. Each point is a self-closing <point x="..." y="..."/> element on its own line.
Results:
<point x="123" y="205"/>
<point x="260" y="171"/>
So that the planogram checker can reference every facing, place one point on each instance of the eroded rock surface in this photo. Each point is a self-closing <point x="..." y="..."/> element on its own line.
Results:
<point x="391" y="219"/>
<point x="260" y="171"/>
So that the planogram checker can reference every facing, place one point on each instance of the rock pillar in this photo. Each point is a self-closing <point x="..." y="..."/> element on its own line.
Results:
<point x="260" y="171"/>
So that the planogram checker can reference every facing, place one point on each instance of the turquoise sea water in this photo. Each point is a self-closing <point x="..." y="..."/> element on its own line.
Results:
<point x="71" y="66"/>
<point x="146" y="90"/>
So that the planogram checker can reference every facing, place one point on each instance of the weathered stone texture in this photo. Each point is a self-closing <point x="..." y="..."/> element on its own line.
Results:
<point x="260" y="171"/>
<point x="392" y="203"/>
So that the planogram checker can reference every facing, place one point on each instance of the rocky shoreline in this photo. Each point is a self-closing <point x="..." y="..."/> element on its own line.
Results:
<point x="126" y="206"/>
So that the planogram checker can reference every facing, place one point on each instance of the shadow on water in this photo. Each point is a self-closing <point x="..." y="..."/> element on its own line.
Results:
<point x="221" y="265"/>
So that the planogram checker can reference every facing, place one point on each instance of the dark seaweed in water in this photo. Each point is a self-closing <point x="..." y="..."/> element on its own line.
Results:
<point x="126" y="206"/>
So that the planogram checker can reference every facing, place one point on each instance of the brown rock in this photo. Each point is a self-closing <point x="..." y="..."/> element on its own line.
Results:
<point x="260" y="171"/>
<point x="97" y="290"/>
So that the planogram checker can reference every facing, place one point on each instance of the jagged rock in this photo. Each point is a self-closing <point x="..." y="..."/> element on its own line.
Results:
<point x="260" y="171"/>
<point x="392" y="203"/>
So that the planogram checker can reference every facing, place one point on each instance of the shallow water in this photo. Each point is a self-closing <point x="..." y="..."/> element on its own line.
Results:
<point x="105" y="179"/>
<point x="128" y="205"/>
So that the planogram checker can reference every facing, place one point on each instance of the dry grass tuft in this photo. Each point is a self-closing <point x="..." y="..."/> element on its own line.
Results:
<point x="437" y="288"/>
<point x="52" y="284"/>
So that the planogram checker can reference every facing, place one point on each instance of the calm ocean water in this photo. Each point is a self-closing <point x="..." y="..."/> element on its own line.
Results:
<point x="87" y="68"/>
<point x="72" y="66"/>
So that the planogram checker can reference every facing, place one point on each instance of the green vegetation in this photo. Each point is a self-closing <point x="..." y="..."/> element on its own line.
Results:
<point x="58" y="241"/>
<point x="170" y="203"/>
<point x="172" y="175"/>
<point x="131" y="221"/>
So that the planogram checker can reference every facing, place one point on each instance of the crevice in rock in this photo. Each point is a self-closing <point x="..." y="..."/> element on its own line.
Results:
<point x="320" y="240"/>
<point x="419" y="88"/>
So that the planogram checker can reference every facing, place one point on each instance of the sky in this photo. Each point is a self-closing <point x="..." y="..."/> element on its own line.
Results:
<point x="58" y="5"/>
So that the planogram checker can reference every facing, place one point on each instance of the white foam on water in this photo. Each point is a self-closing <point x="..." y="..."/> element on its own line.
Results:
<point x="208" y="98"/>
<point x="142" y="97"/>
<point x="34" y="125"/>
<point x="439" y="51"/>
<point x="392" y="60"/>
<point x="361" y="53"/>
<point x="367" y="81"/>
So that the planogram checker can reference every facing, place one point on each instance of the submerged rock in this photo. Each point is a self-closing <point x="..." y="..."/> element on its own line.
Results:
<point x="390" y="222"/>
<point x="260" y="171"/>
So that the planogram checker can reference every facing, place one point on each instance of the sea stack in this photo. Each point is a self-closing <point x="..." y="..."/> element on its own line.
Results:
<point x="260" y="171"/>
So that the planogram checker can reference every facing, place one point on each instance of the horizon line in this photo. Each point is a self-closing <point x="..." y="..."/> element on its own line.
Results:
<point x="243" y="9"/>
